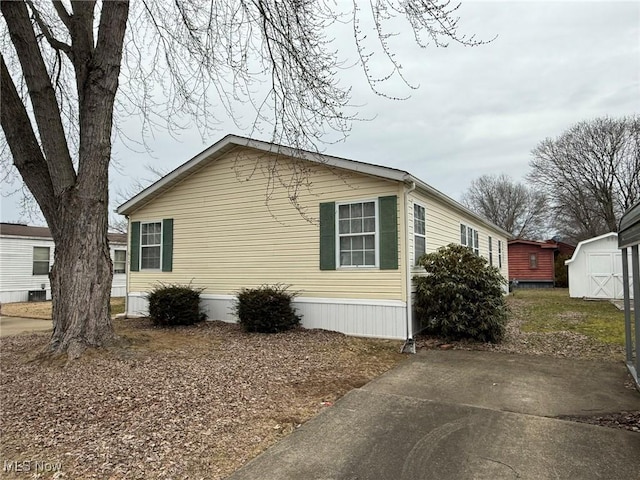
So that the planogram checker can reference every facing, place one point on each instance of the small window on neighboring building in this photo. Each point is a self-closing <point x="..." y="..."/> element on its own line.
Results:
<point x="41" y="260"/>
<point x="357" y="234"/>
<point x="150" y="245"/>
<point x="119" y="261"/>
<point x="490" y="251"/>
<point x="469" y="237"/>
<point x="533" y="260"/>
<point x="419" y="232"/>
<point x="499" y="253"/>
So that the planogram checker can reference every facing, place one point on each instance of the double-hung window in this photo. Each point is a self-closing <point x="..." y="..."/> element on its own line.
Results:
<point x="419" y="232"/>
<point x="357" y="234"/>
<point x="150" y="245"/>
<point x="119" y="261"/>
<point x="41" y="260"/>
<point x="490" y="240"/>
<point x="469" y="237"/>
<point x="499" y="253"/>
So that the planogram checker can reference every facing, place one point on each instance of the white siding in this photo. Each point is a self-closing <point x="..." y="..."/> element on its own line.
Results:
<point x="595" y="269"/>
<point x="363" y="318"/>
<point x="16" y="269"/>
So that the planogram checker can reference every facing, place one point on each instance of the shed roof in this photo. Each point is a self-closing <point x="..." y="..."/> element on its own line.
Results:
<point x="586" y="242"/>
<point x="230" y="142"/>
<point x="545" y="245"/>
<point x="28" y="231"/>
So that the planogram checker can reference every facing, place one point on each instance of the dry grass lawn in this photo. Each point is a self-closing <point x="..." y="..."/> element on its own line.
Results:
<point x="43" y="309"/>
<point x="192" y="402"/>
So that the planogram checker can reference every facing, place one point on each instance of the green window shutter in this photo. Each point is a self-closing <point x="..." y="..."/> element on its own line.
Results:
<point x="388" y="214"/>
<point x="167" y="244"/>
<point x="328" y="236"/>
<point x="134" y="248"/>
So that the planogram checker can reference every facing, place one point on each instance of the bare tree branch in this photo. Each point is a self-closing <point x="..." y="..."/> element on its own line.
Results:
<point x="591" y="173"/>
<point x="510" y="205"/>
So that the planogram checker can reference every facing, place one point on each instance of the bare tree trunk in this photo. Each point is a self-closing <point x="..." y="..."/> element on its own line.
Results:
<point x="81" y="281"/>
<point x="75" y="203"/>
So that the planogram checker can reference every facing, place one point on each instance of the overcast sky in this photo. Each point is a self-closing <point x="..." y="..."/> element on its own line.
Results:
<point x="478" y="110"/>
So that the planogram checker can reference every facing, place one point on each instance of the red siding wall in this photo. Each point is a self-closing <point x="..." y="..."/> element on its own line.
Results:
<point x="519" y="268"/>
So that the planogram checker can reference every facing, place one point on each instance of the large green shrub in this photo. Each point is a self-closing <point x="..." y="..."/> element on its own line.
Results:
<point x="266" y="309"/>
<point x="171" y="305"/>
<point x="461" y="296"/>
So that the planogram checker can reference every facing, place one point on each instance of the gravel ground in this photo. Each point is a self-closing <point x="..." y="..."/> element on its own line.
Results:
<point x="195" y="402"/>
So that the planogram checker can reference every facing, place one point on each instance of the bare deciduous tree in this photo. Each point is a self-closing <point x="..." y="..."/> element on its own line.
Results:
<point x="71" y="69"/>
<point x="591" y="174"/>
<point x="511" y="205"/>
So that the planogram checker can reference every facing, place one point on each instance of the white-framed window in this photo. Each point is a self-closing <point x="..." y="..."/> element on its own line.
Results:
<point x="41" y="260"/>
<point x="469" y="237"/>
<point x="490" y="241"/>
<point x="119" y="261"/>
<point x="419" y="232"/>
<point x="150" y="245"/>
<point x="499" y="253"/>
<point x="357" y="234"/>
<point x="533" y="261"/>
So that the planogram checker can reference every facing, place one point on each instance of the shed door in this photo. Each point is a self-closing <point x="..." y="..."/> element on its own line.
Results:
<point x="604" y="275"/>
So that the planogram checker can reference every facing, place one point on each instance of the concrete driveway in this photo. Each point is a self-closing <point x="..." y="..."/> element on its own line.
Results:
<point x="466" y="415"/>
<point x="16" y="325"/>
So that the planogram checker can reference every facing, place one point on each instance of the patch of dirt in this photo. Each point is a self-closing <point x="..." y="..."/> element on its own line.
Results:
<point x="190" y="402"/>
<point x="623" y="420"/>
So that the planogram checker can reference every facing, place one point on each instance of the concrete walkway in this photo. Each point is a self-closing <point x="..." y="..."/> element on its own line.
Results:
<point x="16" y="325"/>
<point x="466" y="415"/>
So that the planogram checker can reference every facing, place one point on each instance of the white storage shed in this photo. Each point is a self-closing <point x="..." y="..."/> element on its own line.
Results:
<point x="595" y="269"/>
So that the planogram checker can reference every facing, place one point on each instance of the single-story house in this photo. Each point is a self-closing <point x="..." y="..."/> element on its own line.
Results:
<point x="342" y="233"/>
<point x="26" y="256"/>
<point x="595" y="269"/>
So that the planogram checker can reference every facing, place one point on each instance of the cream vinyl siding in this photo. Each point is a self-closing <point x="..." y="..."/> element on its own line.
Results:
<point x="234" y="227"/>
<point x="443" y="228"/>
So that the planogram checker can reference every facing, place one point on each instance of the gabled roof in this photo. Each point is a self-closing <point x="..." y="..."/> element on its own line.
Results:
<point x="26" y="231"/>
<point x="545" y="245"/>
<point x="586" y="242"/>
<point x="230" y="142"/>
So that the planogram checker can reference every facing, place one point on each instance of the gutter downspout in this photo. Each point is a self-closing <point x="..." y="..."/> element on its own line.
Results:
<point x="127" y="268"/>
<point x="409" y="344"/>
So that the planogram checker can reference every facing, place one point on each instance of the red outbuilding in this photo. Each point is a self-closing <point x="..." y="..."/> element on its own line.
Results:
<point x="531" y="263"/>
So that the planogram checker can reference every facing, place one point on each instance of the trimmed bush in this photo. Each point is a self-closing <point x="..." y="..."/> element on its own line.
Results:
<point x="461" y="297"/>
<point x="266" y="309"/>
<point x="171" y="305"/>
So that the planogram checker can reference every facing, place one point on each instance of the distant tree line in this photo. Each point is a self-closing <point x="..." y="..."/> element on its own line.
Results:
<point x="578" y="186"/>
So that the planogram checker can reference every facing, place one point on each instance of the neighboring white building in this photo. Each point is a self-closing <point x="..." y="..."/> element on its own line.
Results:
<point x="595" y="269"/>
<point x="26" y="256"/>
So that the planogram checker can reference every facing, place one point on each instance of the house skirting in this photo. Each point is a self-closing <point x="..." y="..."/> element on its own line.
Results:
<point x="358" y="317"/>
<point x="535" y="284"/>
<point x="13" y="296"/>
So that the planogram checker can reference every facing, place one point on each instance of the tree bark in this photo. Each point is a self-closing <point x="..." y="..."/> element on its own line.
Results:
<point x="81" y="279"/>
<point x="75" y="204"/>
